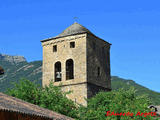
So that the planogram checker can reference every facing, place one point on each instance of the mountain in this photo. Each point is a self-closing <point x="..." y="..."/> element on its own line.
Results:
<point x="12" y="59"/>
<point x="140" y="90"/>
<point x="16" y="67"/>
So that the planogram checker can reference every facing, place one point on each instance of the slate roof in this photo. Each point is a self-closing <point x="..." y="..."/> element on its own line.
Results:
<point x="74" y="29"/>
<point x="12" y="104"/>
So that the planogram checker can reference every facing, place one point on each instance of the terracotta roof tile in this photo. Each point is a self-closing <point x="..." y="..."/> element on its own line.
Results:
<point x="8" y="103"/>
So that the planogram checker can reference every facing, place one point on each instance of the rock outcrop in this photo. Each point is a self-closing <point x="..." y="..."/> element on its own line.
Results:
<point x="12" y="59"/>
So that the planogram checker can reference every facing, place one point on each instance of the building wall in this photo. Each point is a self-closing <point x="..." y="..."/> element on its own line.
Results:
<point x="78" y="92"/>
<point x="64" y="52"/>
<point x="93" y="89"/>
<point x="89" y="53"/>
<point x="98" y="55"/>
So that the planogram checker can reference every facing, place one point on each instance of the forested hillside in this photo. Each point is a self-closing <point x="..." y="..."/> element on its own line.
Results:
<point x="16" y="67"/>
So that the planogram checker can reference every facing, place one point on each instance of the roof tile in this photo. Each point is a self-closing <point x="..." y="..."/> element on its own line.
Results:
<point x="8" y="103"/>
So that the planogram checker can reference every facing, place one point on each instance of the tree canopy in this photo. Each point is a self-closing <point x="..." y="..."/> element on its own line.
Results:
<point x="115" y="105"/>
<point x="50" y="97"/>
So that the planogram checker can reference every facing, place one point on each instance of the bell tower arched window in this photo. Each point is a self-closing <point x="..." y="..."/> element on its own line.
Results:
<point x="57" y="72"/>
<point x="69" y="69"/>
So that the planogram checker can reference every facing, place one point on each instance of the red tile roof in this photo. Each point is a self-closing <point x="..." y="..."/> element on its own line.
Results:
<point x="12" y="104"/>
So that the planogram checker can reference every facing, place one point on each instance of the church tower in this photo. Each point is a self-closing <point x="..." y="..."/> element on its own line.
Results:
<point x="78" y="60"/>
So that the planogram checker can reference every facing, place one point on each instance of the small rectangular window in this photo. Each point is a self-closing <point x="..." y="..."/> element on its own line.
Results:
<point x="55" y="48"/>
<point x="103" y="51"/>
<point x="94" y="46"/>
<point x="72" y="44"/>
<point x="98" y="71"/>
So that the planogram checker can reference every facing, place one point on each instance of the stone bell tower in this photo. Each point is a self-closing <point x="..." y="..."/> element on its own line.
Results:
<point x="78" y="60"/>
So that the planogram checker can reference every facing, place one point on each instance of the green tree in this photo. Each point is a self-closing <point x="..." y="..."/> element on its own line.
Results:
<point x="119" y="101"/>
<point x="50" y="97"/>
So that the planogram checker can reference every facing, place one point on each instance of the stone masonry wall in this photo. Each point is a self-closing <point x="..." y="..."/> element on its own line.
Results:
<point x="64" y="52"/>
<point x="98" y="56"/>
<point x="93" y="89"/>
<point x="78" y="94"/>
<point x="89" y="53"/>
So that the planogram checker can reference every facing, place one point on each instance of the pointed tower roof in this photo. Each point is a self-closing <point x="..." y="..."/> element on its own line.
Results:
<point x="75" y="28"/>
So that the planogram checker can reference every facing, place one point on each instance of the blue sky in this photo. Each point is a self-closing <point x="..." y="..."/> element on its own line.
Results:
<point x="132" y="26"/>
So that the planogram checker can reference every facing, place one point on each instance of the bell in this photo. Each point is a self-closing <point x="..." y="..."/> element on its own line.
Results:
<point x="58" y="75"/>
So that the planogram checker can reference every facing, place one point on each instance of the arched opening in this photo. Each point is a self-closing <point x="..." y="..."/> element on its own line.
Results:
<point x="57" y="72"/>
<point x="69" y="69"/>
